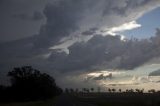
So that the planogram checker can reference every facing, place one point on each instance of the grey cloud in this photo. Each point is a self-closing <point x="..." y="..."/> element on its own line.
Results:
<point x="92" y="31"/>
<point x="107" y="53"/>
<point x="103" y="77"/>
<point x="15" y="28"/>
<point x="66" y="17"/>
<point x="86" y="56"/>
<point x="100" y="52"/>
<point x="36" y="16"/>
<point x="124" y="7"/>
<point x="62" y="19"/>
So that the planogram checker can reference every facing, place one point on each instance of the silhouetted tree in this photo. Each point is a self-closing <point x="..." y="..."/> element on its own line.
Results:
<point x="77" y="90"/>
<point x="66" y="90"/>
<point x="152" y="91"/>
<point x="109" y="90"/>
<point x="130" y="90"/>
<point x="87" y="90"/>
<point x="71" y="90"/>
<point x="84" y="89"/>
<point x="127" y="90"/>
<point x="31" y="84"/>
<point x="92" y="89"/>
<point x="120" y="90"/>
<point x="142" y="90"/>
<point x="113" y="90"/>
<point x="137" y="90"/>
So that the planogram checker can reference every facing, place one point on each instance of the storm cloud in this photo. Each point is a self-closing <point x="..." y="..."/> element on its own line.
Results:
<point x="36" y="16"/>
<point x="81" y="18"/>
<point x="67" y="18"/>
<point x="107" y="52"/>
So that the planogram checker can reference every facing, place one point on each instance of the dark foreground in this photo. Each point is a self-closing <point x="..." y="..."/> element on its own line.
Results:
<point x="70" y="100"/>
<point x="98" y="99"/>
<point x="121" y="99"/>
<point x="62" y="100"/>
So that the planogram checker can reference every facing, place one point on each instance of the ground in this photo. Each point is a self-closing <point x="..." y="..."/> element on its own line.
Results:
<point x="98" y="99"/>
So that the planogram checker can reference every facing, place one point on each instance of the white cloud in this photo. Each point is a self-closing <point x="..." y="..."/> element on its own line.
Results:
<point x="121" y="28"/>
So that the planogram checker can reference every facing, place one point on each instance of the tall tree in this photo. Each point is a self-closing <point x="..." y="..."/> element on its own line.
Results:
<point x="28" y="83"/>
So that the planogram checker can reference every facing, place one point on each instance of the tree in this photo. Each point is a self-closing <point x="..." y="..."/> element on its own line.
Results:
<point x="77" y="90"/>
<point x="109" y="90"/>
<point x="71" y="90"/>
<point x="152" y="91"/>
<point x="66" y="90"/>
<point x="87" y="90"/>
<point x="142" y="90"/>
<point x="92" y="89"/>
<point x="127" y="90"/>
<point x="137" y="90"/>
<point x="120" y="90"/>
<point x="113" y="90"/>
<point x="31" y="84"/>
<point x="84" y="90"/>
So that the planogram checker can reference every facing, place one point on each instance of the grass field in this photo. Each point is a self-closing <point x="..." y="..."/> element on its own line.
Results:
<point x="49" y="102"/>
<point x="121" y="99"/>
<point x="99" y="99"/>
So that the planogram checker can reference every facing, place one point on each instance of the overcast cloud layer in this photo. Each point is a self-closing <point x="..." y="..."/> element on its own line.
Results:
<point x="67" y="19"/>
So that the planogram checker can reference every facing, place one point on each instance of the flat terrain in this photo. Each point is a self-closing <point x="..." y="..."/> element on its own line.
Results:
<point x="62" y="100"/>
<point x="121" y="99"/>
<point x="98" y="99"/>
<point x="49" y="102"/>
<point x="70" y="100"/>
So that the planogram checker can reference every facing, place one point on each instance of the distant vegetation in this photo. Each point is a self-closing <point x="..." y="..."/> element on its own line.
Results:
<point x="28" y="84"/>
<point x="116" y="97"/>
<point x="109" y="90"/>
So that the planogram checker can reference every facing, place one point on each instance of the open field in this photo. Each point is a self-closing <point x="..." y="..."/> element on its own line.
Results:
<point x="49" y="102"/>
<point x="120" y="99"/>
<point x="97" y="99"/>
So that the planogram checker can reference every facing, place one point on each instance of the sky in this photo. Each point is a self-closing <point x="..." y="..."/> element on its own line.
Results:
<point x="83" y="41"/>
<point x="148" y="22"/>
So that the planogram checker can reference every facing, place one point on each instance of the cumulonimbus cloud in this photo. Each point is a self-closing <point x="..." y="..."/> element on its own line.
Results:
<point x="107" y="52"/>
<point x="67" y="18"/>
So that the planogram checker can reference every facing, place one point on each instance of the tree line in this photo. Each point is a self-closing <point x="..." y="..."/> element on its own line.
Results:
<point x="28" y="84"/>
<point x="109" y="90"/>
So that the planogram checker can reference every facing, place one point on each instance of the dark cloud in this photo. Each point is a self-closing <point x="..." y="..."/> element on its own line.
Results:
<point x="62" y="19"/>
<point x="103" y="77"/>
<point x="36" y="16"/>
<point x="66" y="17"/>
<point x="122" y="7"/>
<point x="108" y="52"/>
<point x="92" y="31"/>
<point x="100" y="52"/>
<point x="16" y="28"/>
